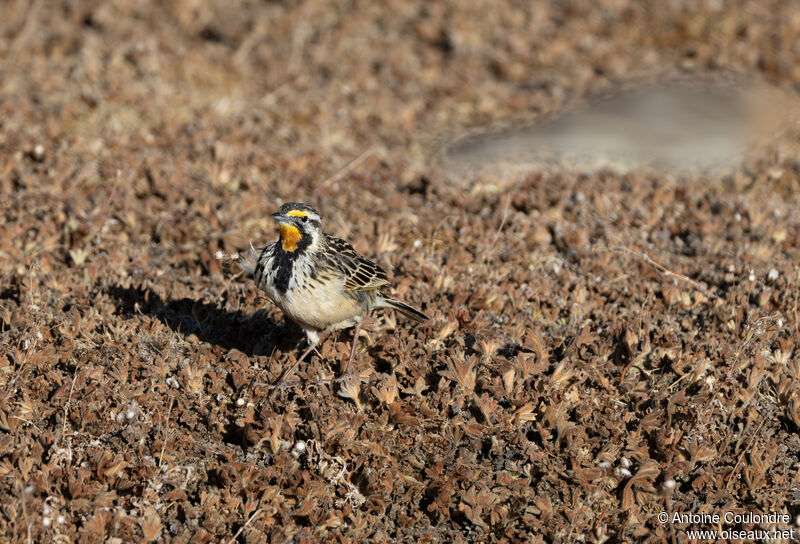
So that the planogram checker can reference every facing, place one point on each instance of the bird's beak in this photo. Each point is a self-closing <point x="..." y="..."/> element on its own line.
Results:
<point x="280" y="217"/>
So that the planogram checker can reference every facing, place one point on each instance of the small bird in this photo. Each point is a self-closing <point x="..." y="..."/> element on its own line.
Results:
<point x="319" y="281"/>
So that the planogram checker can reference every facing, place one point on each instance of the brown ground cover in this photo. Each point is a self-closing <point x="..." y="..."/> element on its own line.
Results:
<point x="603" y="346"/>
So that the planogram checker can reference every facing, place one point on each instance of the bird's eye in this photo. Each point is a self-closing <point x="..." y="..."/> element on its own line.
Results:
<point x="304" y="219"/>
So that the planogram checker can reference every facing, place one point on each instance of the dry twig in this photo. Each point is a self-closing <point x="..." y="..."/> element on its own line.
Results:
<point x="667" y="272"/>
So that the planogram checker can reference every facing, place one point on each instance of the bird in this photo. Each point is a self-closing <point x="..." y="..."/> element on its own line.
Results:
<point x="319" y="281"/>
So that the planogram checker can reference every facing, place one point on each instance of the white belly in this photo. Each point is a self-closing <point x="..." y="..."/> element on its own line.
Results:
<point x="317" y="305"/>
<point x="321" y="307"/>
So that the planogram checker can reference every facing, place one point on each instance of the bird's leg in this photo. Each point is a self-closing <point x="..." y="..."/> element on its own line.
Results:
<point x="353" y="347"/>
<point x="286" y="373"/>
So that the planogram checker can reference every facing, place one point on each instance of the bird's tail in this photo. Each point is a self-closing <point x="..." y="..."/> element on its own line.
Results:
<point x="408" y="311"/>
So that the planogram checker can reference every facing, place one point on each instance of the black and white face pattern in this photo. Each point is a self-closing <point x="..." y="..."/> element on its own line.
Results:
<point x="300" y="235"/>
<point x="301" y="226"/>
<point x="305" y="213"/>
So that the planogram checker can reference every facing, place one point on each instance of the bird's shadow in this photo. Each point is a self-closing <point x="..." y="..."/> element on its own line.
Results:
<point x="254" y="334"/>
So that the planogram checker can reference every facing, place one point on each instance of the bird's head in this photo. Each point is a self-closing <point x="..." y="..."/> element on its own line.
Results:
<point x="300" y="225"/>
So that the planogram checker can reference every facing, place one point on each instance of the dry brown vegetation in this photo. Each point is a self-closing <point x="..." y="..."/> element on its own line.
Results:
<point x="602" y="346"/>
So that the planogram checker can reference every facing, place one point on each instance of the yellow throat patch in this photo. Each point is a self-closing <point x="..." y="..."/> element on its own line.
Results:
<point x="289" y="237"/>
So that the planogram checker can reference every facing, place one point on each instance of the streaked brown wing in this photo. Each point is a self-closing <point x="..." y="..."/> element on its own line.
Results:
<point x="360" y="273"/>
